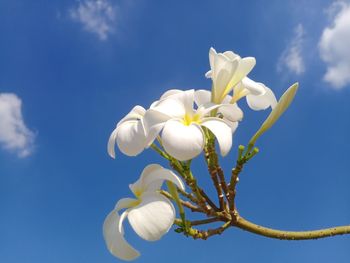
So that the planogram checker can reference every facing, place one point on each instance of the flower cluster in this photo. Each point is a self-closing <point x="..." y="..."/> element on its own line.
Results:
<point x="182" y="122"/>
<point x="179" y="116"/>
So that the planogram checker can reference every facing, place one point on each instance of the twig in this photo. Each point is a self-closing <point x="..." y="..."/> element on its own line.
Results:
<point x="184" y="203"/>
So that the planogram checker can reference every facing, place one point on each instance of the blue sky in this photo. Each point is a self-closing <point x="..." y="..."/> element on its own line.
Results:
<point x="77" y="72"/>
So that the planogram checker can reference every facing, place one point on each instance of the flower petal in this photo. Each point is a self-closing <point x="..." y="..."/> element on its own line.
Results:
<point x="245" y="65"/>
<point x="153" y="217"/>
<point x="114" y="238"/>
<point x="231" y="112"/>
<point x="262" y="102"/>
<point x="153" y="123"/>
<point x="212" y="54"/>
<point x="255" y="88"/>
<point x="181" y="141"/>
<point x="222" y="74"/>
<point x="172" y="107"/>
<point x="170" y="92"/>
<point x="135" y="114"/>
<point x="125" y="203"/>
<point x="202" y="97"/>
<point x="222" y="132"/>
<point x="231" y="55"/>
<point x="152" y="178"/>
<point x="131" y="137"/>
<point x="111" y="143"/>
<point x="154" y="175"/>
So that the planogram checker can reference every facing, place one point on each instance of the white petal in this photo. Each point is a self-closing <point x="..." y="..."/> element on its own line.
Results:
<point x="245" y="65"/>
<point x="131" y="138"/>
<point x="255" y="88"/>
<point x="139" y="186"/>
<point x="205" y="109"/>
<point x="125" y="203"/>
<point x="231" y="112"/>
<point x="153" y="217"/>
<point x="135" y="114"/>
<point x="111" y="143"/>
<point x="222" y="132"/>
<point x="187" y="99"/>
<point x="232" y="124"/>
<point x="202" y="97"/>
<point x="172" y="107"/>
<point x="212" y="54"/>
<point x="153" y="123"/>
<point x="169" y="93"/>
<point x="153" y="118"/>
<point x="224" y="70"/>
<point x="121" y="220"/>
<point x="153" y="176"/>
<point x="231" y="55"/>
<point x="227" y="99"/>
<point x="184" y="99"/>
<point x="262" y="102"/>
<point x="114" y="238"/>
<point x="208" y="74"/>
<point x="181" y="141"/>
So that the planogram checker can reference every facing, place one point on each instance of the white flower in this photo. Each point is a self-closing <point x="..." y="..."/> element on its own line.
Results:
<point x="227" y="69"/>
<point x="151" y="214"/>
<point x="129" y="134"/>
<point x="259" y="97"/>
<point x="182" y="134"/>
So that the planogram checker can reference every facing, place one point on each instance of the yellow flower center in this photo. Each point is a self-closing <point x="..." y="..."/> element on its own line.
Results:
<point x="191" y="118"/>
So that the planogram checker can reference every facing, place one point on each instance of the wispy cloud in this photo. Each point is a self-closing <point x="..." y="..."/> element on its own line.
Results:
<point x="291" y="58"/>
<point x="334" y="46"/>
<point x="96" y="16"/>
<point x="14" y="135"/>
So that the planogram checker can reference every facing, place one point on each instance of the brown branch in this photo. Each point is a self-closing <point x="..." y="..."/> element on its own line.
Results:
<point x="290" y="235"/>
<point x="205" y="221"/>
<point x="212" y="163"/>
<point x="223" y="182"/>
<point x="205" y="234"/>
<point x="233" y="182"/>
<point x="184" y="203"/>
<point x="201" y="198"/>
<point x="187" y="195"/>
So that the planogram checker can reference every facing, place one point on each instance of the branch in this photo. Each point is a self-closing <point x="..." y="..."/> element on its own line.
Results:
<point x="184" y="203"/>
<point x="213" y="168"/>
<point x="290" y="235"/>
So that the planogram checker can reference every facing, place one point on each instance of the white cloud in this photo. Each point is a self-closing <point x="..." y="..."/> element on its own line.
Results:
<point x="14" y="135"/>
<point x="334" y="46"/>
<point x="96" y="16"/>
<point x="291" y="58"/>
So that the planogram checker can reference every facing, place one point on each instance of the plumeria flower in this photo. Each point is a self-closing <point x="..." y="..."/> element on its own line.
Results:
<point x="129" y="134"/>
<point x="150" y="214"/>
<point x="227" y="70"/>
<point x="259" y="97"/>
<point x="182" y="126"/>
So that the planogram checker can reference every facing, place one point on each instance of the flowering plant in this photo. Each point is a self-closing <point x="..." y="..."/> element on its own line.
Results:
<point x="179" y="127"/>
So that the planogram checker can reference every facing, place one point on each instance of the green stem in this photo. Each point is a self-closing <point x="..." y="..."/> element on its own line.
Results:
<point x="175" y="195"/>
<point x="159" y="151"/>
